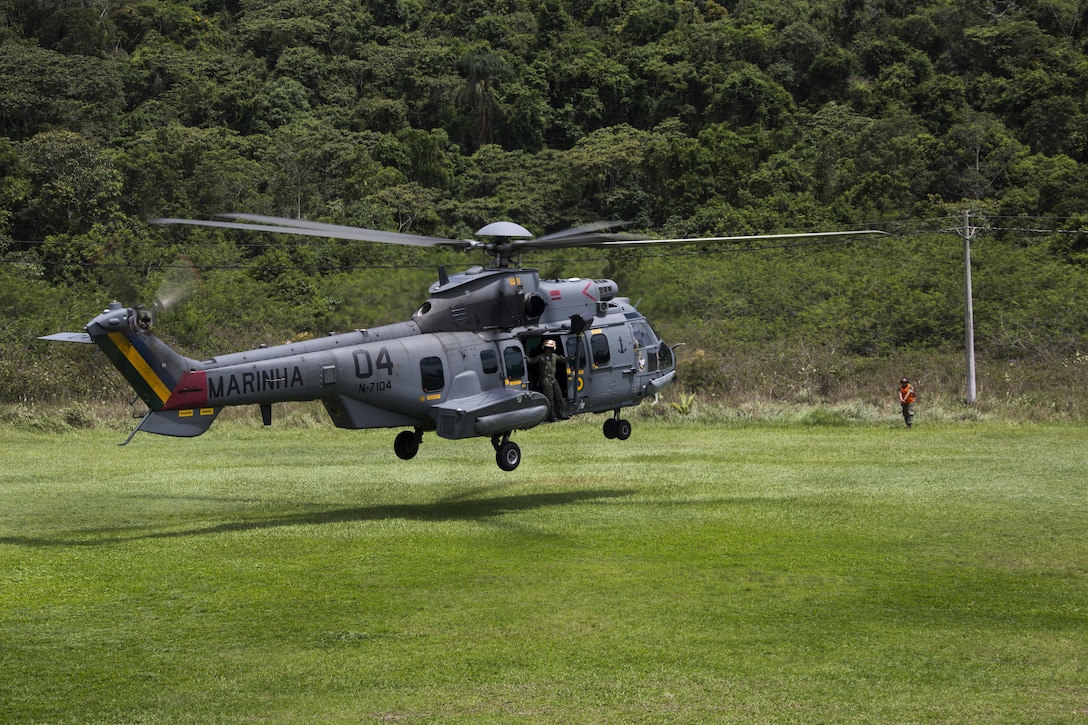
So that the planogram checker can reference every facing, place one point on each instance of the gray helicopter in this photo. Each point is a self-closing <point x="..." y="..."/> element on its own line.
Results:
<point x="462" y="366"/>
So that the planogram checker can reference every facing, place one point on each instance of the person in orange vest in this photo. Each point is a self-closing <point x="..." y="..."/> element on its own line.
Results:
<point x="907" y="396"/>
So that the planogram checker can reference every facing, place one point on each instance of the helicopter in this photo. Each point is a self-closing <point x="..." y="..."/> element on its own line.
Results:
<point x="461" y="367"/>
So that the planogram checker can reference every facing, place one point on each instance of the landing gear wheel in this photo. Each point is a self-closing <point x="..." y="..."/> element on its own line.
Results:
<point x="406" y="444"/>
<point x="508" y="456"/>
<point x="618" y="428"/>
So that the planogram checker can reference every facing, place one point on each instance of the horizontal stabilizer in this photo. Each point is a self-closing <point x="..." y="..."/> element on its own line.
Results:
<point x="80" y="337"/>
<point x="177" y="423"/>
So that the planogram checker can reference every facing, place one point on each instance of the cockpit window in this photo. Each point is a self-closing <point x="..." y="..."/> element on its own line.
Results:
<point x="644" y="336"/>
<point x="664" y="355"/>
<point x="645" y="339"/>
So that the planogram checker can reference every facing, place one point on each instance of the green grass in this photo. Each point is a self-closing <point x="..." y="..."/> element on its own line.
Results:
<point x="730" y="573"/>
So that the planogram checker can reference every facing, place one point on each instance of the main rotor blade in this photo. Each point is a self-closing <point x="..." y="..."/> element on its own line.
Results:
<point x="283" y="225"/>
<point x="586" y="235"/>
<point x="740" y="238"/>
<point x="582" y="229"/>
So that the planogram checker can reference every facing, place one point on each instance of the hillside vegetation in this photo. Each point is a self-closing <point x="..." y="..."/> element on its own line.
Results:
<point x="685" y="118"/>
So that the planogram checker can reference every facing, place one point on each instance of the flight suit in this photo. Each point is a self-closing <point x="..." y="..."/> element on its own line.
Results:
<point x="548" y="361"/>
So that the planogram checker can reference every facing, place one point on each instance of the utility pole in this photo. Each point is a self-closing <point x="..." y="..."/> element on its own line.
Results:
<point x="968" y="233"/>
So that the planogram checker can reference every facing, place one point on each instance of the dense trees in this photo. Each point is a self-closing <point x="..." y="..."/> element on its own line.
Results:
<point x="687" y="117"/>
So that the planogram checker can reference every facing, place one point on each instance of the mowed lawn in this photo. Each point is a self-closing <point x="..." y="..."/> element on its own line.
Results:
<point x="691" y="574"/>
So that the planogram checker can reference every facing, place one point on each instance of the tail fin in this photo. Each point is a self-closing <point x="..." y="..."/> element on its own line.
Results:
<point x="149" y="366"/>
<point x="146" y="362"/>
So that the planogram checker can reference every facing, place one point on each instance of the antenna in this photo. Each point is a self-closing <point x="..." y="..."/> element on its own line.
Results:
<point x="969" y="311"/>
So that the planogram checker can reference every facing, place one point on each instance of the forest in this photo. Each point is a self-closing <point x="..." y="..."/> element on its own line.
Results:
<point x="932" y="120"/>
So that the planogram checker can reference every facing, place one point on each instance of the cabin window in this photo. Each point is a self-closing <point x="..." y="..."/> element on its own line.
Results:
<point x="489" y="362"/>
<point x="601" y="354"/>
<point x="515" y="363"/>
<point x="430" y="370"/>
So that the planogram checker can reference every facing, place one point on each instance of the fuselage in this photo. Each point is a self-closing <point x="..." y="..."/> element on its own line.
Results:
<point x="471" y="341"/>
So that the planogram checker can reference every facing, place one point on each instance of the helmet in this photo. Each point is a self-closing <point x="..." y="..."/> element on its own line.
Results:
<point x="904" y="381"/>
<point x="549" y="344"/>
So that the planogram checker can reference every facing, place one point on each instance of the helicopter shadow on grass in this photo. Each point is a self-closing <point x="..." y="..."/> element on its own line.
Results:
<point x="458" y="508"/>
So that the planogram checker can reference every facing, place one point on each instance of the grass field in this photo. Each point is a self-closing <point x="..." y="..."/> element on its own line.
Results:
<point x="691" y="574"/>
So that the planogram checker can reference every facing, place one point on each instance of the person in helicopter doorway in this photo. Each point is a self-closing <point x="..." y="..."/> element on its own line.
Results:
<point x="549" y="360"/>
<point x="907" y="396"/>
